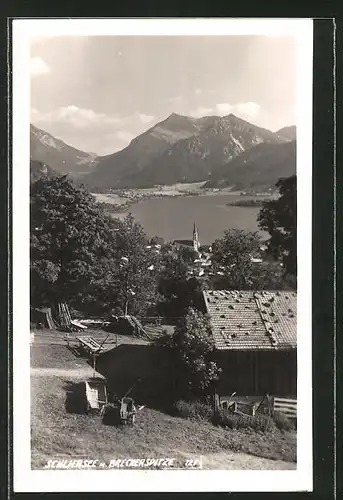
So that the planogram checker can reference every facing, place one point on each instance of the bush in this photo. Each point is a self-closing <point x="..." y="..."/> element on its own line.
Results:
<point x="193" y="410"/>
<point x="197" y="410"/>
<point x="283" y="423"/>
<point x="236" y="421"/>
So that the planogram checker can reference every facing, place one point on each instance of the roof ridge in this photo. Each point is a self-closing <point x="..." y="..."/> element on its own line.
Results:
<point x="256" y="299"/>
<point x="267" y="324"/>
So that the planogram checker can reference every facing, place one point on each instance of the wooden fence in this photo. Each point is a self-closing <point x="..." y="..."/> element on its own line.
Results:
<point x="286" y="406"/>
<point x="252" y="405"/>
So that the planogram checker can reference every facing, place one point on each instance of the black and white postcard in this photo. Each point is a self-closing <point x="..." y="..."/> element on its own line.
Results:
<point x="162" y="170"/>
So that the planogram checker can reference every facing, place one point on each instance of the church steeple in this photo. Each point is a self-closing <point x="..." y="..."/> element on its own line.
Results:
<point x="196" y="243"/>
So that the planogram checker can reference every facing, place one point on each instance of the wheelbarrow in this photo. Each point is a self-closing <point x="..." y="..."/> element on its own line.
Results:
<point x="120" y="412"/>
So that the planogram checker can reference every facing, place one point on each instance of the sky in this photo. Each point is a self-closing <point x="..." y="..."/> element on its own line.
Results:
<point x="97" y="93"/>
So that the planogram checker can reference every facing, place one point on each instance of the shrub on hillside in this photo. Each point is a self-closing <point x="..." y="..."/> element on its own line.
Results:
<point x="195" y="367"/>
<point x="193" y="410"/>
<point x="196" y="410"/>
<point x="283" y="423"/>
<point x="230" y="420"/>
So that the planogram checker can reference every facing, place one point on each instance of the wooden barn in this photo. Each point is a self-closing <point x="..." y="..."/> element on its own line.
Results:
<point x="146" y="368"/>
<point x="255" y="334"/>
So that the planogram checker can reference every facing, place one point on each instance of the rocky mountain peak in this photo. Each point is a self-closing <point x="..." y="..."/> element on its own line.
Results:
<point x="177" y="149"/>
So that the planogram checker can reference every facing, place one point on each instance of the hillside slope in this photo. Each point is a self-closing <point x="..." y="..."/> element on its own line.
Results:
<point x="261" y="166"/>
<point x="57" y="429"/>
<point x="288" y="133"/>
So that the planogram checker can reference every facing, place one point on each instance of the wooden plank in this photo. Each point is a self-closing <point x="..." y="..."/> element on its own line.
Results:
<point x="284" y="400"/>
<point x="89" y="343"/>
<point x="290" y="410"/>
<point x="78" y="324"/>
<point x="50" y="320"/>
<point x="67" y="312"/>
<point x="284" y="405"/>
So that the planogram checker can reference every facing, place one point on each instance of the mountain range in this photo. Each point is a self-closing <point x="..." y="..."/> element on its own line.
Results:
<point x="61" y="157"/>
<point x="260" y="166"/>
<point x="179" y="149"/>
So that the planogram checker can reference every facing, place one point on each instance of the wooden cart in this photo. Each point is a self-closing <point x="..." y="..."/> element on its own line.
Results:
<point x="96" y="394"/>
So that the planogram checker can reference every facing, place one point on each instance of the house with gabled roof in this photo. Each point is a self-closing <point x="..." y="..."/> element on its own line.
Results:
<point x="255" y="335"/>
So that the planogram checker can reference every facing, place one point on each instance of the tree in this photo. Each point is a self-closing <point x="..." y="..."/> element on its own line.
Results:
<point x="238" y="263"/>
<point x="279" y="218"/>
<point x="194" y="350"/>
<point x="83" y="256"/>
<point x="133" y="279"/>
<point x="70" y="239"/>
<point x="156" y="240"/>
<point x="232" y="258"/>
<point x="178" y="290"/>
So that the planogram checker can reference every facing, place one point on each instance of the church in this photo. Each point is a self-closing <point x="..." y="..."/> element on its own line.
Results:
<point x="196" y="242"/>
<point x="193" y="243"/>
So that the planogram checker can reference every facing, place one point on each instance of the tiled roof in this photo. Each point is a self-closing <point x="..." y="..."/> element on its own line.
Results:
<point x="188" y="243"/>
<point x="251" y="320"/>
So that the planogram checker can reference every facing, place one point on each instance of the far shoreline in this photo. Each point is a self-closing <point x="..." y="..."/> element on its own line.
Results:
<point x="120" y="200"/>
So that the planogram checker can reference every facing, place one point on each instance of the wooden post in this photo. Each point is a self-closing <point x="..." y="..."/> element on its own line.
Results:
<point x="94" y="364"/>
<point x="216" y="402"/>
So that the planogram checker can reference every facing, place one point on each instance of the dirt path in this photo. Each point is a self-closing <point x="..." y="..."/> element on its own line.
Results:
<point x="81" y="372"/>
<point x="241" y="461"/>
<point x="230" y="460"/>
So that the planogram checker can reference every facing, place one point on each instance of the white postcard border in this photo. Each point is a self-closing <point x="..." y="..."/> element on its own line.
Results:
<point x="27" y="480"/>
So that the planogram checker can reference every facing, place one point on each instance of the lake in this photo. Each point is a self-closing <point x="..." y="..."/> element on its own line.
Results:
<point x="173" y="218"/>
